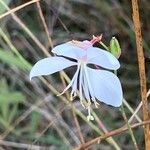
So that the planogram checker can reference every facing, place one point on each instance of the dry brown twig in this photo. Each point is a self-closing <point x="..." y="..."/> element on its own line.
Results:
<point x="141" y="62"/>
<point x="78" y="126"/>
<point x="44" y="23"/>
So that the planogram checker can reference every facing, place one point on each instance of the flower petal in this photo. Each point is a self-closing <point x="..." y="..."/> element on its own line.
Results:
<point x="69" y="50"/>
<point x="50" y="65"/>
<point x="106" y="86"/>
<point x="102" y="58"/>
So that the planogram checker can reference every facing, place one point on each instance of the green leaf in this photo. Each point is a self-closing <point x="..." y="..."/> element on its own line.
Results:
<point x="7" y="98"/>
<point x="11" y="97"/>
<point x="9" y="58"/>
<point x="3" y="122"/>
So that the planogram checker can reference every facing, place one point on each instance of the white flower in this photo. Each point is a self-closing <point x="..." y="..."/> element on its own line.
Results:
<point x="91" y="83"/>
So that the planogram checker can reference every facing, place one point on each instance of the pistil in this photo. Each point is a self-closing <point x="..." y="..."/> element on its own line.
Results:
<point x="96" y="39"/>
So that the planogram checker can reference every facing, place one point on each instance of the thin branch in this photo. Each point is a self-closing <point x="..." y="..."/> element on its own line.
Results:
<point x="17" y="8"/>
<point x="129" y="128"/>
<point x="78" y="126"/>
<point x="138" y="108"/>
<point x="109" y="134"/>
<point x="131" y="110"/>
<point x="102" y="126"/>
<point x="141" y="61"/>
<point x="44" y="23"/>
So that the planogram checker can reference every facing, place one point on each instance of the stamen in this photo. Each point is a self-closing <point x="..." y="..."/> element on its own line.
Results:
<point x="95" y="102"/>
<point x="80" y="87"/>
<point x="85" y="86"/>
<point x="88" y="82"/>
<point x="86" y="90"/>
<point x="72" y="83"/>
<point x="74" y="89"/>
<point x="72" y="95"/>
<point x="89" y="117"/>
<point x="90" y="88"/>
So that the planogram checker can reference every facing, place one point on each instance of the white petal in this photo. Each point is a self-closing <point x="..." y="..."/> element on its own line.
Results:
<point x="50" y="65"/>
<point x="69" y="50"/>
<point x="106" y="86"/>
<point x="102" y="58"/>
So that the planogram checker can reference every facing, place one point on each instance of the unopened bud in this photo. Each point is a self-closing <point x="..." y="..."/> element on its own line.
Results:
<point x="115" y="47"/>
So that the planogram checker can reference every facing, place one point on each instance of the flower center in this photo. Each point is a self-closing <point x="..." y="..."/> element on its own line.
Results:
<point x="83" y="59"/>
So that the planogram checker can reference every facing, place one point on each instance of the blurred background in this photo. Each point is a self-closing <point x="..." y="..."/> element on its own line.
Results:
<point x="30" y="111"/>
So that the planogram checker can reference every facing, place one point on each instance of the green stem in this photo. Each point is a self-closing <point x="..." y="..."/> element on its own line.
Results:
<point x="106" y="47"/>
<point x="131" y="110"/>
<point x="129" y="127"/>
